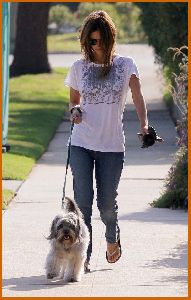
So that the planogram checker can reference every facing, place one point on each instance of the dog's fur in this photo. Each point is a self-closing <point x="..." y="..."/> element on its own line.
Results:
<point x="69" y="239"/>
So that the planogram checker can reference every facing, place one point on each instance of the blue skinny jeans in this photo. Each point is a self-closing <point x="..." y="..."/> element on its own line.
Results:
<point x="108" y="168"/>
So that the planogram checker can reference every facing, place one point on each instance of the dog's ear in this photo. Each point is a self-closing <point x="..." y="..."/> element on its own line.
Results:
<point x="53" y="231"/>
<point x="79" y="230"/>
<point x="71" y="206"/>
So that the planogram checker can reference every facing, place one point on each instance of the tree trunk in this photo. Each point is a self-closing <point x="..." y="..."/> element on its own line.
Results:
<point x="30" y="53"/>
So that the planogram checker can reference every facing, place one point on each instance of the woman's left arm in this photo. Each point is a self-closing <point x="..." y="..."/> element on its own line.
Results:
<point x="139" y="103"/>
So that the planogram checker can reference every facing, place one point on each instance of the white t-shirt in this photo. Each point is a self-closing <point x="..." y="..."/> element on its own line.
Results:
<point x="102" y="101"/>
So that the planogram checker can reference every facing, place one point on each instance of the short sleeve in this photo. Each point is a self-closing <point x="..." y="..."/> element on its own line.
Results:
<point x="134" y="69"/>
<point x="71" y="78"/>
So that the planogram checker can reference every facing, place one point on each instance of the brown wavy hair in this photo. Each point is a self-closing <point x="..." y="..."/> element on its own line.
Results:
<point x="99" y="20"/>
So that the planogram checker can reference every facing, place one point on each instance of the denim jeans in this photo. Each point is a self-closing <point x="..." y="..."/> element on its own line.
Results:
<point x="108" y="168"/>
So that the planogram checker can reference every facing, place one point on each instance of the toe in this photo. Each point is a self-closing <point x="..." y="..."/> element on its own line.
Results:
<point x="113" y="252"/>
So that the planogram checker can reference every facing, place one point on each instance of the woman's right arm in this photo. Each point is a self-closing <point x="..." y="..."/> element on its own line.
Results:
<point x="74" y="98"/>
<point x="75" y="101"/>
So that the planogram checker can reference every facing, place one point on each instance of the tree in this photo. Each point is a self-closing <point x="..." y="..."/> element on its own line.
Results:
<point x="130" y="28"/>
<point x="30" y="53"/>
<point x="85" y="8"/>
<point x="166" y="25"/>
<point x="124" y="15"/>
<point x="73" y="6"/>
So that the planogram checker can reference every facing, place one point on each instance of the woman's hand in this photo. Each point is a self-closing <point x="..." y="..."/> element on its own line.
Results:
<point x="76" y="115"/>
<point x="74" y="107"/>
<point x="144" y="130"/>
<point x="77" y="120"/>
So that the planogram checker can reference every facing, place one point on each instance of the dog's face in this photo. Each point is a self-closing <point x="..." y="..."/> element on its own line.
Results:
<point x="65" y="229"/>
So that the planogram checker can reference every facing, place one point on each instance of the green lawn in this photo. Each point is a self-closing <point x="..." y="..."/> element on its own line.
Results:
<point x="67" y="42"/>
<point x="36" y="107"/>
<point x="7" y="196"/>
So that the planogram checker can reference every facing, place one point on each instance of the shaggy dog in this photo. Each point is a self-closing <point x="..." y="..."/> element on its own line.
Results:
<point x="69" y="239"/>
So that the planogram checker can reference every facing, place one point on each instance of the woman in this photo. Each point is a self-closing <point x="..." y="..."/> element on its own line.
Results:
<point x="98" y="87"/>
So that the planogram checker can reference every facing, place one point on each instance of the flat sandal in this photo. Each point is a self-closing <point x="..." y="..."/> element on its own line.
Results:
<point x="118" y="248"/>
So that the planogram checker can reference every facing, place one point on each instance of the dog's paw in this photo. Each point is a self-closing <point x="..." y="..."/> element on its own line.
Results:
<point x="67" y="279"/>
<point x="77" y="278"/>
<point x="51" y="275"/>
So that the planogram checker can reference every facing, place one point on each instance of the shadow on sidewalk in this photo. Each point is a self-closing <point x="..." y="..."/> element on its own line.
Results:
<point x="157" y="215"/>
<point x="40" y="282"/>
<point x="177" y="259"/>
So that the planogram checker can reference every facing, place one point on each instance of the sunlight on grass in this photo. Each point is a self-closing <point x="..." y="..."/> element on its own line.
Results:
<point x="36" y="108"/>
<point x="67" y="43"/>
<point x="7" y="197"/>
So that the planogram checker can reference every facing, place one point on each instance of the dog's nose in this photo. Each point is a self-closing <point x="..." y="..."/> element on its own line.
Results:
<point x="66" y="235"/>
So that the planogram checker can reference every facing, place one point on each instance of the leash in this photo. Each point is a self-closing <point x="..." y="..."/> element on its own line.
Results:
<point x="67" y="164"/>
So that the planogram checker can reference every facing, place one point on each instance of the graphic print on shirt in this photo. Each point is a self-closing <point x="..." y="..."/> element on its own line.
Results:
<point x="108" y="89"/>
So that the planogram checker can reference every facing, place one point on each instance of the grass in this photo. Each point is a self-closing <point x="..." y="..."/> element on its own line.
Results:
<point x="67" y="43"/>
<point x="36" y="107"/>
<point x="167" y="87"/>
<point x="7" y="197"/>
<point x="168" y="98"/>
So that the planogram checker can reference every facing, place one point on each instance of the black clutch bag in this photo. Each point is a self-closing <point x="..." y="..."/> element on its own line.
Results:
<point x="150" y="138"/>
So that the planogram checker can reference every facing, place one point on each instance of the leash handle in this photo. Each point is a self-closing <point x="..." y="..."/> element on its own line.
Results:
<point x="67" y="164"/>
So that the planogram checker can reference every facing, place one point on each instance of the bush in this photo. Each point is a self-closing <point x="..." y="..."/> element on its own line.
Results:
<point x="176" y="185"/>
<point x="85" y="8"/>
<point x="175" y="194"/>
<point x="62" y="17"/>
<point x="166" y="25"/>
<point x="124" y="15"/>
<point x="130" y="28"/>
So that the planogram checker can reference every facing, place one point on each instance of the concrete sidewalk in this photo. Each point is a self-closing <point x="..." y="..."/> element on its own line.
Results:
<point x="154" y="241"/>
